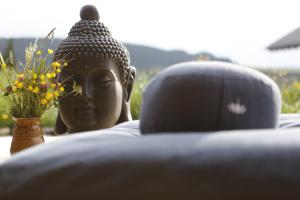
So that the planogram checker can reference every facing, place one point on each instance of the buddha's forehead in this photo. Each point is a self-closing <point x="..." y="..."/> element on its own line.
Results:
<point x="86" y="65"/>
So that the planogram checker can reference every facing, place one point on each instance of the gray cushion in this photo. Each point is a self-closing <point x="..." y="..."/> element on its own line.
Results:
<point x="111" y="164"/>
<point x="209" y="96"/>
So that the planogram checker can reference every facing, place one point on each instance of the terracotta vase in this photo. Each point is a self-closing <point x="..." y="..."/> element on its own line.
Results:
<point x="26" y="133"/>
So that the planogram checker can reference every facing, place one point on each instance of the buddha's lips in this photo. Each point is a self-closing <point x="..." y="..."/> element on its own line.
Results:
<point x="86" y="111"/>
<point x="80" y="109"/>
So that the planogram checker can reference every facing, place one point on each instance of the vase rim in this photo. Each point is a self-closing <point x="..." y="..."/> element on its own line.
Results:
<point x="24" y="118"/>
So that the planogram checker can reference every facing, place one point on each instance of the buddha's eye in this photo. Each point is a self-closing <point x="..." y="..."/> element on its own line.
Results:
<point x="103" y="78"/>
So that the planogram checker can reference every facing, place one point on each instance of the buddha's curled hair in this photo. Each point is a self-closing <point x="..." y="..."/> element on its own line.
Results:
<point x="90" y="38"/>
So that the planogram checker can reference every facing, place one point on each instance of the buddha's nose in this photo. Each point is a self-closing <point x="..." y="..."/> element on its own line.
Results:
<point x="87" y="91"/>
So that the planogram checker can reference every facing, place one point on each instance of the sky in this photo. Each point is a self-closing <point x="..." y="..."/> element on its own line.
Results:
<point x="238" y="29"/>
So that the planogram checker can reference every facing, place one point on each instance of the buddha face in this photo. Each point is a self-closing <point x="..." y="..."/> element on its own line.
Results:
<point x="99" y="106"/>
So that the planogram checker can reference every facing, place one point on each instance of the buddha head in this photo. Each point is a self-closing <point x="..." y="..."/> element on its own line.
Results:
<point x="100" y="65"/>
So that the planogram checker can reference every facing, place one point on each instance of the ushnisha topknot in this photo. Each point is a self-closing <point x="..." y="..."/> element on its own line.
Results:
<point x="90" y="38"/>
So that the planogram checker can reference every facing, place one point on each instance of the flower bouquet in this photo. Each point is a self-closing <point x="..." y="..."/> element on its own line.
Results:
<point x="29" y="90"/>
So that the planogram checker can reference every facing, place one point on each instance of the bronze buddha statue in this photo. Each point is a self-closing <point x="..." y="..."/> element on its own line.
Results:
<point x="101" y="66"/>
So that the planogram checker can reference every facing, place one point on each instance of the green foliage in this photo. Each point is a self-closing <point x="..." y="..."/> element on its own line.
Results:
<point x="141" y="81"/>
<point x="9" y="55"/>
<point x="136" y="100"/>
<point x="49" y="117"/>
<point x="289" y="87"/>
<point x="291" y="97"/>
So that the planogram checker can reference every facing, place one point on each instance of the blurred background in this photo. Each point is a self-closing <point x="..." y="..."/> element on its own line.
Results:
<point x="161" y="33"/>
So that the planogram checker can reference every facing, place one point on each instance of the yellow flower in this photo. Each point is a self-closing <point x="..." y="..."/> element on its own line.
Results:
<point x="58" y="70"/>
<point x="50" y="51"/>
<point x="14" y="88"/>
<point x="61" y="89"/>
<point x="56" y="94"/>
<point x="43" y="101"/>
<point x="20" y="75"/>
<point x="49" y="96"/>
<point x="30" y="88"/>
<point x="55" y="64"/>
<point x="39" y="52"/>
<point x="297" y="85"/>
<point x="42" y="77"/>
<point x="33" y="82"/>
<point x="59" y="84"/>
<point x="34" y="76"/>
<point x="52" y="85"/>
<point x="43" y="82"/>
<point x="3" y="66"/>
<point x="49" y="75"/>
<point x="58" y="64"/>
<point x="4" y="116"/>
<point x="19" y="85"/>
<point x="53" y="75"/>
<point x="65" y="64"/>
<point x="35" y="90"/>
<point x="16" y="82"/>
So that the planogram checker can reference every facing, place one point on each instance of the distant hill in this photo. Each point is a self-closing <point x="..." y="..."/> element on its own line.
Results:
<point x="142" y="57"/>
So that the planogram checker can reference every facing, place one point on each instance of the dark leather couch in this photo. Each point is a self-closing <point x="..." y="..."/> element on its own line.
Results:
<point x="117" y="163"/>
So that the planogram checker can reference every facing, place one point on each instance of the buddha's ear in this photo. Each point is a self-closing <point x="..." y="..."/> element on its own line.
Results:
<point x="129" y="83"/>
<point x="125" y="112"/>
